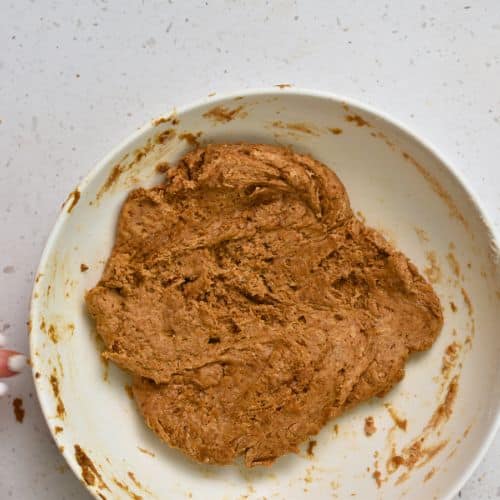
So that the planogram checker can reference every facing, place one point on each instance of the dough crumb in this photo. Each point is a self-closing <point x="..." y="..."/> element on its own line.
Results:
<point x="370" y="427"/>
<point x="310" y="448"/>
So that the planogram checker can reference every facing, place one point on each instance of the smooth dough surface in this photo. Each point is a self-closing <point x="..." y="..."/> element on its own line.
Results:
<point x="251" y="306"/>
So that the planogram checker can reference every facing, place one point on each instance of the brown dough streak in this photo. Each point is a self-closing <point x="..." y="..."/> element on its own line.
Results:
<point x="90" y="474"/>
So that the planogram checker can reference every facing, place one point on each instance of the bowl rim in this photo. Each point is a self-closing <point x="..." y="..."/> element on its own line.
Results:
<point x="215" y="99"/>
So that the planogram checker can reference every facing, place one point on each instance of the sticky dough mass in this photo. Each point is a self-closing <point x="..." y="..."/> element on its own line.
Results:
<point x="252" y="306"/>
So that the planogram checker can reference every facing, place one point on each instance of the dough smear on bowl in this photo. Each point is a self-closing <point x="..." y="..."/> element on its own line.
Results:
<point x="251" y="305"/>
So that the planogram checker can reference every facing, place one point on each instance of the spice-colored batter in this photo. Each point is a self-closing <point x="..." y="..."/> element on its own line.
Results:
<point x="252" y="306"/>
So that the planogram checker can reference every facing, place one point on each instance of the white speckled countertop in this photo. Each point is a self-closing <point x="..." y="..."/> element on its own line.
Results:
<point x="77" y="77"/>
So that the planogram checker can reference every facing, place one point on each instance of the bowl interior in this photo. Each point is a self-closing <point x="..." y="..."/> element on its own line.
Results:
<point x="403" y="189"/>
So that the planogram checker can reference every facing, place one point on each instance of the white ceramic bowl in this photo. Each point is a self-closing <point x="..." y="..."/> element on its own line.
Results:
<point x="402" y="187"/>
